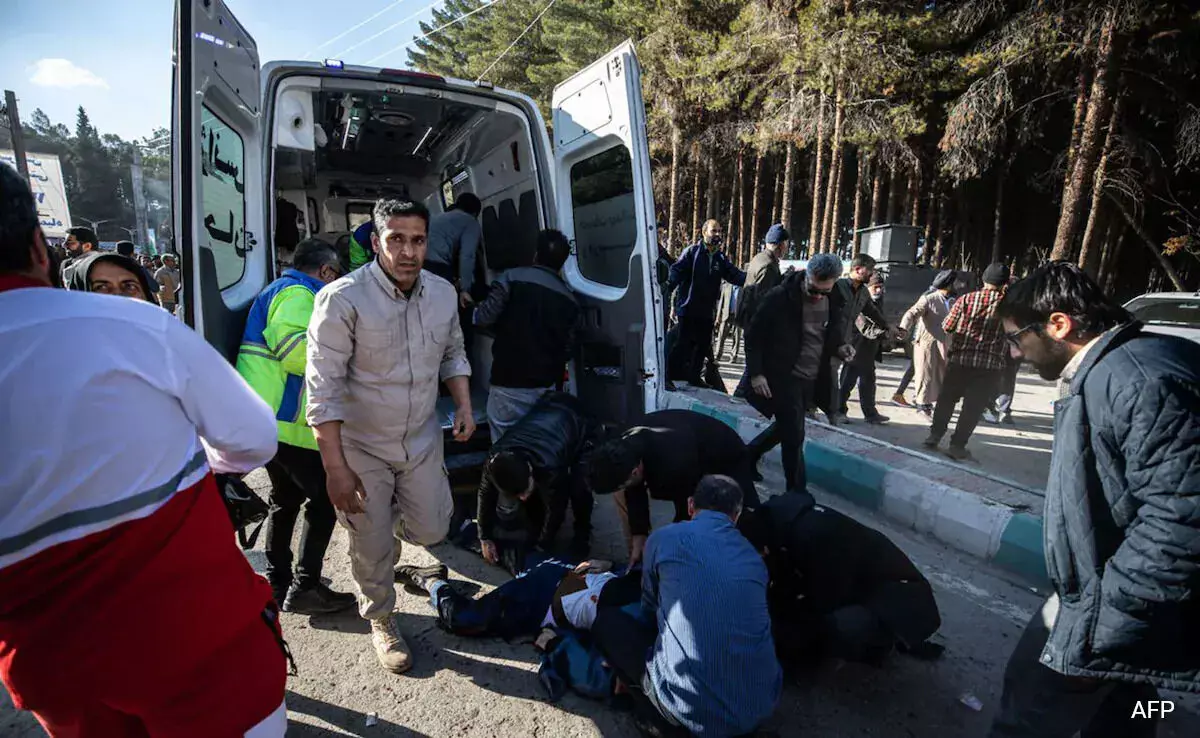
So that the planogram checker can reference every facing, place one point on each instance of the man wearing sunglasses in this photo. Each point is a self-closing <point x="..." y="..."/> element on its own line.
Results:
<point x="272" y="360"/>
<point x="1122" y="516"/>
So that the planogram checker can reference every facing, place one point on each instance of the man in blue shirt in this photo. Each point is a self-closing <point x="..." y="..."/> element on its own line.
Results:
<point x="711" y="668"/>
<point x="698" y="275"/>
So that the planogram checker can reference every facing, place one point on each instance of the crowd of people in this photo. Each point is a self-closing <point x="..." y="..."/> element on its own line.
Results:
<point x="334" y="392"/>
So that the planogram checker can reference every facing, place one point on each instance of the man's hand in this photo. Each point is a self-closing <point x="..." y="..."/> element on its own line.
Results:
<point x="346" y="490"/>
<point x="595" y="566"/>
<point x="464" y="424"/>
<point x="898" y="333"/>
<point x="490" y="553"/>
<point x="759" y="384"/>
<point x="465" y="300"/>
<point x="636" y="547"/>
<point x="846" y="352"/>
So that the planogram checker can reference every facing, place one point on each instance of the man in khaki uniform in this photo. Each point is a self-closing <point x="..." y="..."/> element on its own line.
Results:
<point x="379" y="340"/>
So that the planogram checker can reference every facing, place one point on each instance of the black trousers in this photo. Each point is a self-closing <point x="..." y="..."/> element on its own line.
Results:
<point x="789" y="404"/>
<point x="297" y="478"/>
<point x="693" y="343"/>
<point x="975" y="387"/>
<point x="572" y="489"/>
<point x="864" y="376"/>
<point x="853" y="633"/>
<point x="1039" y="702"/>
<point x="626" y="642"/>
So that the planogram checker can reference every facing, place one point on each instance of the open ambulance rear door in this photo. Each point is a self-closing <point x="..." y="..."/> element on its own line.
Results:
<point x="605" y="205"/>
<point x="218" y="173"/>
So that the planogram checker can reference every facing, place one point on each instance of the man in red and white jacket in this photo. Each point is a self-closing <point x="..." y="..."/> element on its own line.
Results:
<point x="126" y="608"/>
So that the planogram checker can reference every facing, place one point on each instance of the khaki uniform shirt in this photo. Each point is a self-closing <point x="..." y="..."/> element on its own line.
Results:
<point x="375" y="358"/>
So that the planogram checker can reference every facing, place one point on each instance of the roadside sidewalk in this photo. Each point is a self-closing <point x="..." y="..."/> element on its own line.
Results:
<point x="968" y="509"/>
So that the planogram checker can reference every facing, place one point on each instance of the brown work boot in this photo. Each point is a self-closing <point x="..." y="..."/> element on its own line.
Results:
<point x="390" y="647"/>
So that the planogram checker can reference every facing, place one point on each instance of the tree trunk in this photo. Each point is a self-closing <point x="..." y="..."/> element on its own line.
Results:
<point x="914" y="195"/>
<point x="930" y="219"/>
<point x="777" y="196"/>
<point x="1099" y="108"/>
<point x="877" y="193"/>
<point x="1081" y="100"/>
<point x="893" y="194"/>
<point x="998" y="214"/>
<point x="673" y="208"/>
<point x="1088" y="251"/>
<point x="814" y="231"/>
<point x="711" y="206"/>
<point x="943" y="221"/>
<point x="1112" y="258"/>
<point x="836" y="215"/>
<point x="695" y="192"/>
<point x="1148" y="243"/>
<point x="829" y="216"/>
<point x="860" y="194"/>
<point x="741" y="190"/>
<point x="754" y="201"/>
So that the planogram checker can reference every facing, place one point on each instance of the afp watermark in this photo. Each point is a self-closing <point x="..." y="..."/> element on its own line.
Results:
<point x="1152" y="709"/>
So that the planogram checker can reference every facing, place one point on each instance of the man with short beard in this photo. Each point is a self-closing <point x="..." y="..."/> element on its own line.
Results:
<point x="379" y="340"/>
<point x="80" y="242"/>
<point x="1122" y="516"/>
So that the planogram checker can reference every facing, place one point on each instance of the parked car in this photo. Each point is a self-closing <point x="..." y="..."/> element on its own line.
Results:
<point x="1172" y="313"/>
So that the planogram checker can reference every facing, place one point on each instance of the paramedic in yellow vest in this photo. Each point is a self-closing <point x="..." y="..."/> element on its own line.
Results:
<point x="272" y="360"/>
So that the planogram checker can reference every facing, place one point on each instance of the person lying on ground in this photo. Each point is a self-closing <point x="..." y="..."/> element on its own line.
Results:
<point x="664" y="458"/>
<point x="110" y="274"/>
<point x="839" y="589"/>
<point x="699" y="657"/>
<point x="550" y="593"/>
<point x="534" y="470"/>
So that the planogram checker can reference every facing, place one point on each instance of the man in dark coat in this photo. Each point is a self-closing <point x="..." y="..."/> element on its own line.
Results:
<point x="762" y="276"/>
<point x="1122" y="516"/>
<point x="868" y="336"/>
<point x="663" y="458"/>
<point x="533" y="471"/>
<point x="788" y="349"/>
<point x="697" y="275"/>
<point x="851" y="299"/>
<point x="838" y="588"/>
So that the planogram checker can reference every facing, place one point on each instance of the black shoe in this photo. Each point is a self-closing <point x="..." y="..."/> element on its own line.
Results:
<point x="1007" y="419"/>
<point x="420" y="577"/>
<point x="279" y="592"/>
<point x="877" y="419"/>
<point x="317" y="599"/>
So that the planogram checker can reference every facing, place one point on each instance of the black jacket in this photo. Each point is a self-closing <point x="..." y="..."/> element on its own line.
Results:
<point x="552" y="437"/>
<point x="1122" y="520"/>
<point x="847" y="304"/>
<point x="821" y="560"/>
<point x="533" y="315"/>
<point x="677" y="447"/>
<point x="774" y="337"/>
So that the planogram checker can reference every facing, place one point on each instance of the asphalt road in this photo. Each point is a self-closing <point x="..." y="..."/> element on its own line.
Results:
<point x="477" y="688"/>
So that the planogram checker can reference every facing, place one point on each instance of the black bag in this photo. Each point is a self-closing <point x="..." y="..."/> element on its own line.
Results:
<point x="245" y="508"/>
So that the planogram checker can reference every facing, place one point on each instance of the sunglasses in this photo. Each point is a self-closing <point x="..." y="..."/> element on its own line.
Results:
<point x="1014" y="338"/>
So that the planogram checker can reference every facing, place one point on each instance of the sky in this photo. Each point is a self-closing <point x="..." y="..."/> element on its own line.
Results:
<point x="114" y="58"/>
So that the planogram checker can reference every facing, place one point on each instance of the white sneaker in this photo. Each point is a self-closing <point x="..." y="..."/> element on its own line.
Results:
<point x="991" y="417"/>
<point x="390" y="647"/>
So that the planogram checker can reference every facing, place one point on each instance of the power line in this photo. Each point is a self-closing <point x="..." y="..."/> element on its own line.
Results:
<point x="343" y="34"/>
<point x="406" y="19"/>
<point x="504" y="53"/>
<point x="440" y="28"/>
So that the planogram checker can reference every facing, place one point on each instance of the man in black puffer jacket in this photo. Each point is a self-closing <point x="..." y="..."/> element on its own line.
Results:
<point x="1122" y="520"/>
<point x="533" y="471"/>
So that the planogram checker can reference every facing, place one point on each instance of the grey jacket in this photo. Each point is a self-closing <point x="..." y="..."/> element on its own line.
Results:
<point x="761" y="276"/>
<point x="1122" y="519"/>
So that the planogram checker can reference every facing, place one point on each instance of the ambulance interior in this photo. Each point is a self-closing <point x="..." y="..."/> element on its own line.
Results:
<point x="336" y="151"/>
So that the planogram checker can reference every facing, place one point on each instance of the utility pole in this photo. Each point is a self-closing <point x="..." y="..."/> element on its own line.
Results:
<point x="18" y="136"/>
<point x="139" y="197"/>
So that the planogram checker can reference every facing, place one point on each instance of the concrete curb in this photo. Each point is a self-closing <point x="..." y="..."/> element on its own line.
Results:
<point x="963" y="520"/>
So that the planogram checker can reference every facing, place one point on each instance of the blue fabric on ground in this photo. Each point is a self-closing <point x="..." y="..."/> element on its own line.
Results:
<point x="575" y="663"/>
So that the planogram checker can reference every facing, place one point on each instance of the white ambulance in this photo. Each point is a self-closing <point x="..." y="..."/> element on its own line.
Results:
<point x="321" y="141"/>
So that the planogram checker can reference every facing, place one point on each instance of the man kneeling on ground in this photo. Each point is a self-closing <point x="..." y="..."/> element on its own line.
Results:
<point x="533" y="471"/>
<point x="664" y="458"/>
<point x="709" y="667"/>
<point x="838" y="588"/>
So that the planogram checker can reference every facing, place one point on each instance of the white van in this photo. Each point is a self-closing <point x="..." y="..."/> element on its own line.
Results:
<point x="331" y="138"/>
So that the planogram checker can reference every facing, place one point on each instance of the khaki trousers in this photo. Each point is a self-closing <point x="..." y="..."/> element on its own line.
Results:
<point x="408" y="501"/>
